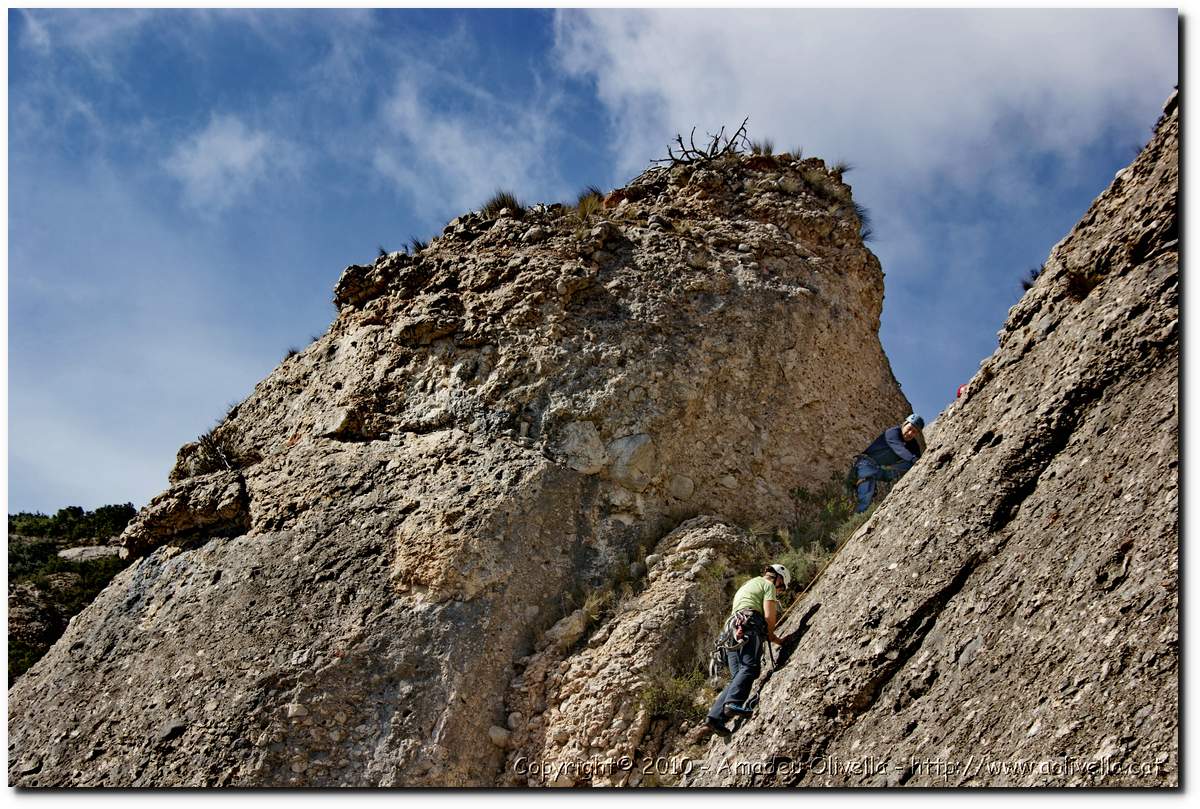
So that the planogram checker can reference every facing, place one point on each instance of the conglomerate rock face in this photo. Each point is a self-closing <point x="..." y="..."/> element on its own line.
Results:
<point x="1009" y="615"/>
<point x="589" y="723"/>
<point x="339" y="582"/>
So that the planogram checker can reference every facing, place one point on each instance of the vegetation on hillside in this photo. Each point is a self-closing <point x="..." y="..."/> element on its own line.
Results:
<point x="63" y="587"/>
<point x="824" y="521"/>
<point x="73" y="523"/>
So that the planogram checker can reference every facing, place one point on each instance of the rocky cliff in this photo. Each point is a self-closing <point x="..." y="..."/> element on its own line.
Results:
<point x="1009" y="615"/>
<point x="357" y="576"/>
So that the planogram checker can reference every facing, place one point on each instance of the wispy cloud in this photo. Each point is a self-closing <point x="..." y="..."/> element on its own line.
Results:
<point x="101" y="38"/>
<point x="452" y="157"/>
<point x="223" y="162"/>
<point x="36" y="36"/>
<point x="111" y="298"/>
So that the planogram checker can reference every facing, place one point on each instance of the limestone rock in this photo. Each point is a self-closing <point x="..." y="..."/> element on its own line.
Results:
<point x="663" y="631"/>
<point x="88" y="553"/>
<point x="567" y="631"/>
<point x="192" y="510"/>
<point x="1010" y="614"/>
<point x="397" y="496"/>
<point x="634" y="461"/>
<point x="582" y="447"/>
<point x="682" y="487"/>
<point x="499" y="736"/>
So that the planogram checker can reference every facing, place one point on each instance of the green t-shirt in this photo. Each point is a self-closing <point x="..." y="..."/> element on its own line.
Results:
<point x="754" y="594"/>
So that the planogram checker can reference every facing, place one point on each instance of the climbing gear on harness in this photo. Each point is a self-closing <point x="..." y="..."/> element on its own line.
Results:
<point x="737" y="630"/>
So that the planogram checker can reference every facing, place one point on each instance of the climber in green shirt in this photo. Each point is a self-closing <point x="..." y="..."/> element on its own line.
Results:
<point x="751" y="621"/>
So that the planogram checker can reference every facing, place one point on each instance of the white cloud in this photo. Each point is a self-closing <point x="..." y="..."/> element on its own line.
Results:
<point x="36" y="35"/>
<point x="101" y="37"/>
<point x="451" y="158"/>
<point x="921" y="95"/>
<point x="226" y="160"/>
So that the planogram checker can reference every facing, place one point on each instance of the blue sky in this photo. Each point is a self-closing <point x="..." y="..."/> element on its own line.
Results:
<point x="186" y="186"/>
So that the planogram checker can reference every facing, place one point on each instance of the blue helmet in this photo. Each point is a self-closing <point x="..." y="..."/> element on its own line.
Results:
<point x="915" y="421"/>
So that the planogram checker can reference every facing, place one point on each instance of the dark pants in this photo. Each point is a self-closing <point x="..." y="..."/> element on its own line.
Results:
<point x="866" y="472"/>
<point x="744" y="665"/>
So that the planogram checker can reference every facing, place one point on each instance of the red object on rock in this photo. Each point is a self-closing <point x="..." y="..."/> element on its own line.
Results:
<point x="961" y="390"/>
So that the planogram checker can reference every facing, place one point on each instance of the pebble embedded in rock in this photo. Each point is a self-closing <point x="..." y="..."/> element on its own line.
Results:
<point x="171" y="729"/>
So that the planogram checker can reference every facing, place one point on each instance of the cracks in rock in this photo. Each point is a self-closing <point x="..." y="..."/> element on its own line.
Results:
<point x="792" y="641"/>
<point x="910" y="637"/>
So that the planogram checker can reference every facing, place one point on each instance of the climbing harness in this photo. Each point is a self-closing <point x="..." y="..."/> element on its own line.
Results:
<point x="733" y="636"/>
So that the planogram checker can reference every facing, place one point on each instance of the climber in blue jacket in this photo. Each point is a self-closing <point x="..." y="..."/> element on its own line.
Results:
<point x="890" y="455"/>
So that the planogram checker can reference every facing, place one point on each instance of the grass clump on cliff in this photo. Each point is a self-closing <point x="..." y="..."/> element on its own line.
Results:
<point x="588" y="206"/>
<point x="824" y="521"/>
<point x="824" y="186"/>
<point x="219" y="449"/>
<point x="762" y="147"/>
<point x="501" y="200"/>
<point x="1031" y="276"/>
<point x="677" y="697"/>
<point x="865" y="231"/>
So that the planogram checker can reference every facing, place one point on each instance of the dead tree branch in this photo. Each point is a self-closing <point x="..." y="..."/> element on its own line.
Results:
<point x="719" y="145"/>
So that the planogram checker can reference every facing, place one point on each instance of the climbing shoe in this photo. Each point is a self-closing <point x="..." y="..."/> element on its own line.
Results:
<point x="718" y="727"/>
<point x="738" y="710"/>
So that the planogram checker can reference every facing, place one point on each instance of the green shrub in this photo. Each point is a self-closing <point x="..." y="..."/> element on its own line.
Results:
<point x="841" y="533"/>
<point x="21" y="657"/>
<point x="824" y="521"/>
<point x="841" y="168"/>
<point x="804" y="564"/>
<point x="35" y="564"/>
<point x="819" y="514"/>
<point x="218" y="450"/>
<point x="73" y="523"/>
<point x="500" y="200"/>
<point x="26" y="558"/>
<point x="762" y="147"/>
<point x="674" y="697"/>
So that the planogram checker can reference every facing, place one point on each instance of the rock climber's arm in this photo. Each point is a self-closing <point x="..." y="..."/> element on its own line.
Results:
<point x="896" y="443"/>
<point x="771" y="613"/>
